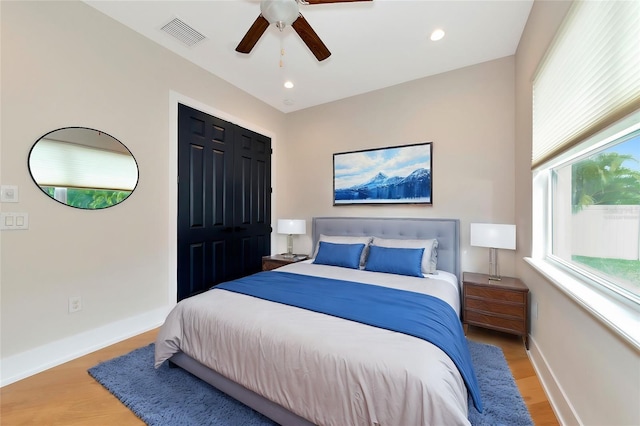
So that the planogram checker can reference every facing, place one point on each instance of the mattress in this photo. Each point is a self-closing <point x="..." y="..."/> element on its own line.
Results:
<point x="325" y="369"/>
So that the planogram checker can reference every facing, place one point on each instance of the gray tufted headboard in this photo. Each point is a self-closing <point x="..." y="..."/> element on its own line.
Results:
<point x="447" y="231"/>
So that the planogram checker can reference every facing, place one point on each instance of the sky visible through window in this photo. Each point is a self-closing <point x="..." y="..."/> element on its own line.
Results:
<point x="631" y="147"/>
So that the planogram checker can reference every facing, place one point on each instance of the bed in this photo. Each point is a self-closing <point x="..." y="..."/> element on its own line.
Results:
<point x="302" y="365"/>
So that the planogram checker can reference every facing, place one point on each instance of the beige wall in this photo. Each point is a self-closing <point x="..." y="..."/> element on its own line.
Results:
<point x="468" y="114"/>
<point x="66" y="64"/>
<point x="592" y="375"/>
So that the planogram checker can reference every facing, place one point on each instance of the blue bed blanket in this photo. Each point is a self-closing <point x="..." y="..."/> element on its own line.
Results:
<point x="415" y="314"/>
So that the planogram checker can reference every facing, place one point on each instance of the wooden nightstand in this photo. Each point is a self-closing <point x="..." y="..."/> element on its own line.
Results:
<point x="498" y="305"/>
<point x="278" y="260"/>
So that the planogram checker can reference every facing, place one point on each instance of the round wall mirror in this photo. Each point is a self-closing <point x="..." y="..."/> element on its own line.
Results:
<point x="83" y="168"/>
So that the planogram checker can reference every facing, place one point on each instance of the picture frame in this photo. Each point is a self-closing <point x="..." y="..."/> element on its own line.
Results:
<point x="392" y="175"/>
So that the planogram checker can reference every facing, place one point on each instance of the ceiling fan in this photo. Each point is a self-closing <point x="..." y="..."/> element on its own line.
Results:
<point x="283" y="13"/>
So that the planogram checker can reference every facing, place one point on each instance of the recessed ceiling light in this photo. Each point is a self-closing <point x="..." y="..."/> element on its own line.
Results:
<point x="288" y="84"/>
<point x="437" y="35"/>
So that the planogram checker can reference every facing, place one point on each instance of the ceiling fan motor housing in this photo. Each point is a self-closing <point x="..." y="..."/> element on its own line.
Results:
<point x="280" y="12"/>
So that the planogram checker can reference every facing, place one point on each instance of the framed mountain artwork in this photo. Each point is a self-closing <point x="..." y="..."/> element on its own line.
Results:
<point x="393" y="175"/>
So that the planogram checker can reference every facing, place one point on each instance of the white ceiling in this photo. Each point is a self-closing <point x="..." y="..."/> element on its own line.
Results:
<point x="374" y="44"/>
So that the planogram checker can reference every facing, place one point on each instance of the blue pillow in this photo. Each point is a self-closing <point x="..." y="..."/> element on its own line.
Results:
<point x="345" y="255"/>
<point x="401" y="261"/>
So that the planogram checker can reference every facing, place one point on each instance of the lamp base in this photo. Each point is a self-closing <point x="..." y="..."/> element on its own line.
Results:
<point x="494" y="272"/>
<point x="288" y="255"/>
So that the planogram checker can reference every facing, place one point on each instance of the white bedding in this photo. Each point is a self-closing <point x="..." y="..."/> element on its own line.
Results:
<point x="328" y="370"/>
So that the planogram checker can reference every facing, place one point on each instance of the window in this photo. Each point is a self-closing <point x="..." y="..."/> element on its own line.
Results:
<point x="595" y="215"/>
<point x="586" y="162"/>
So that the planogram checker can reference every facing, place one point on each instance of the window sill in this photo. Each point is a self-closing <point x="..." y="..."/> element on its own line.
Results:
<point x="621" y="317"/>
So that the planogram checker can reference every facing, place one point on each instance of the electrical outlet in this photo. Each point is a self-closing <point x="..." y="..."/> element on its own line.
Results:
<point x="75" y="304"/>
<point x="534" y="310"/>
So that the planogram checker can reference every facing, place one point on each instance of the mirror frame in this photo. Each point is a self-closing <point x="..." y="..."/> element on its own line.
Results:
<point x="92" y="143"/>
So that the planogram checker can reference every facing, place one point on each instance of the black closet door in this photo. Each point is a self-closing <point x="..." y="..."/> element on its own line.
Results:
<point x="224" y="201"/>
<point x="252" y="201"/>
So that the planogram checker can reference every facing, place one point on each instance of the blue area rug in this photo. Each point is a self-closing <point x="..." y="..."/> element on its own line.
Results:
<point x="171" y="396"/>
<point x="503" y="404"/>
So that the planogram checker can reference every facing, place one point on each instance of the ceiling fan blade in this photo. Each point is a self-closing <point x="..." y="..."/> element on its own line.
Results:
<point x="253" y="35"/>
<point x="332" y="1"/>
<point x="310" y="38"/>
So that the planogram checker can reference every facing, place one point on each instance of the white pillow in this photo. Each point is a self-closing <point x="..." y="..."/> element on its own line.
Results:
<point x="429" y="258"/>
<point x="336" y="239"/>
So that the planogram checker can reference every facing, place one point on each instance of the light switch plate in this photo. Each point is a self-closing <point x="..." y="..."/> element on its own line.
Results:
<point x="14" y="221"/>
<point x="9" y="194"/>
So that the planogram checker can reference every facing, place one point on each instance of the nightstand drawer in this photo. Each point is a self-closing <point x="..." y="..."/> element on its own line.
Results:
<point x="499" y="305"/>
<point x="495" y="294"/>
<point x="515" y="310"/>
<point x="515" y="325"/>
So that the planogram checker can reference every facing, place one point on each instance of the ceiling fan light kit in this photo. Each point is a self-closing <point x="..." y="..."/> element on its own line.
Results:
<point x="280" y="12"/>
<point x="283" y="13"/>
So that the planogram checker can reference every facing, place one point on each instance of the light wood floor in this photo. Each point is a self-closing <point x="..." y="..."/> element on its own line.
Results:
<point x="67" y="395"/>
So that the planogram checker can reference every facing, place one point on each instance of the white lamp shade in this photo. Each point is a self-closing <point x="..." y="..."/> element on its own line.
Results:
<point x="285" y="11"/>
<point x="493" y="235"/>
<point x="292" y="226"/>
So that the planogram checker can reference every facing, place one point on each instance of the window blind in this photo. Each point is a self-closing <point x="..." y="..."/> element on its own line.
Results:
<point x="62" y="164"/>
<point x="589" y="78"/>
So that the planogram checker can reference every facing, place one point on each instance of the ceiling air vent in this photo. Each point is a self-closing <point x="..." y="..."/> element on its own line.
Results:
<point x="183" y="32"/>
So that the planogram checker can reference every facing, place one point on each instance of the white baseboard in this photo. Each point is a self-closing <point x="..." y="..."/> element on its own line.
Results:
<point x="561" y="405"/>
<point x="33" y="361"/>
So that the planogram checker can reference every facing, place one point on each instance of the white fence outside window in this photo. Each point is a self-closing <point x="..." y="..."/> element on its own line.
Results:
<point x="611" y="232"/>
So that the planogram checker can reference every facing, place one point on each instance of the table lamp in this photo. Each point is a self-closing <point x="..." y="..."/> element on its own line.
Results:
<point x="291" y="227"/>
<point x="494" y="236"/>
